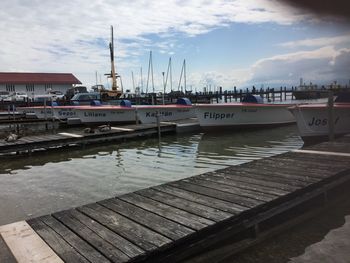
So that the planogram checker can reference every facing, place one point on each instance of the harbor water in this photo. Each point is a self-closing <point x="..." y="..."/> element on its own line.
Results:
<point x="46" y="182"/>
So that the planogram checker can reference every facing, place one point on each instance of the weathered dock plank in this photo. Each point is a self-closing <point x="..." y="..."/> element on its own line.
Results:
<point x="140" y="235"/>
<point x="170" y="229"/>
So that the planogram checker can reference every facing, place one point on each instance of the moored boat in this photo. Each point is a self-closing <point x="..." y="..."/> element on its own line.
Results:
<point x="104" y="114"/>
<point x="183" y="109"/>
<point x="250" y="113"/>
<point x="313" y="119"/>
<point x="39" y="112"/>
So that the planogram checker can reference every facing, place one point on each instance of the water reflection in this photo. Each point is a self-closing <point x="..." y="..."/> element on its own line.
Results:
<point x="49" y="181"/>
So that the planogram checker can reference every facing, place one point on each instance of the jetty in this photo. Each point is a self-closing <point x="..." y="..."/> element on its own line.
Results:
<point x="49" y="141"/>
<point x="196" y="219"/>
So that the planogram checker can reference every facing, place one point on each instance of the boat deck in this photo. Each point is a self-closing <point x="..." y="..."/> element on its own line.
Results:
<point x="179" y="220"/>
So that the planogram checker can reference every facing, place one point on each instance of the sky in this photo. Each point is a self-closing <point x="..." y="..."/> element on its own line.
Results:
<point x="265" y="43"/>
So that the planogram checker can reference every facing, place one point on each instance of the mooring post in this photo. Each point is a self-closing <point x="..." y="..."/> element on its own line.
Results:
<point x="330" y="116"/>
<point x="159" y="133"/>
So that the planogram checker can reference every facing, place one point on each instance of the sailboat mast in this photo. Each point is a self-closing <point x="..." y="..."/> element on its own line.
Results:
<point x="111" y="48"/>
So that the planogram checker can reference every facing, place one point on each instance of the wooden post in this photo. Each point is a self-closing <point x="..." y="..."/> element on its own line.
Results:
<point x="285" y="93"/>
<point x="281" y="93"/>
<point x="330" y="116"/>
<point x="240" y="95"/>
<point x="235" y="92"/>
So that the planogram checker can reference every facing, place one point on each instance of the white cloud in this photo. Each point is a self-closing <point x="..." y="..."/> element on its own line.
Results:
<point x="72" y="36"/>
<point x="320" y="66"/>
<point x="318" y="42"/>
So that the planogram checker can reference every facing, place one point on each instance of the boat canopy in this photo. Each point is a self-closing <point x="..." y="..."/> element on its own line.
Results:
<point x="343" y="97"/>
<point x="252" y="99"/>
<point x="184" y="101"/>
<point x="125" y="103"/>
<point x="95" y="103"/>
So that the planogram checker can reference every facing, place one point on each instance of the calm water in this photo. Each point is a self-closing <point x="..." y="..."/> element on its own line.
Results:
<point x="50" y="181"/>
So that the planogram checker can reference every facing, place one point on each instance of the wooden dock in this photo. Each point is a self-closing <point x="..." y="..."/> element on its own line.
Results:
<point x="179" y="221"/>
<point x="63" y="139"/>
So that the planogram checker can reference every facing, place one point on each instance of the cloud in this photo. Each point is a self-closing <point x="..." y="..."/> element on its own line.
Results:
<point x="318" y="42"/>
<point x="72" y="36"/>
<point x="320" y="66"/>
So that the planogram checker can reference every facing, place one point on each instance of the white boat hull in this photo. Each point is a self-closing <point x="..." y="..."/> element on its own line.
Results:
<point x="148" y="114"/>
<point x="313" y="120"/>
<point x="243" y="115"/>
<point x="100" y="114"/>
<point x="64" y="112"/>
<point x="39" y="112"/>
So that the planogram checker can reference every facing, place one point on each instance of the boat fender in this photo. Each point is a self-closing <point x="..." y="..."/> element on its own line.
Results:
<point x="125" y="103"/>
<point x="183" y="101"/>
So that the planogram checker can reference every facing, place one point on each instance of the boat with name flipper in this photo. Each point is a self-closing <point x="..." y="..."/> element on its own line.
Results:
<point x="250" y="113"/>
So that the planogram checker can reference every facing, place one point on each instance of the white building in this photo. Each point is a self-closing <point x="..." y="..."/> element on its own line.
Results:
<point x="34" y="84"/>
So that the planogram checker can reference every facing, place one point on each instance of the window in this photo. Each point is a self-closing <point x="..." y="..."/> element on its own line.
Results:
<point x="48" y="87"/>
<point x="30" y="87"/>
<point x="10" y="87"/>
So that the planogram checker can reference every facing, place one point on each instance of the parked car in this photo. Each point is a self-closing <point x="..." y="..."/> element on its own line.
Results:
<point x="5" y="96"/>
<point x="85" y="98"/>
<point x="57" y="95"/>
<point x="18" y="96"/>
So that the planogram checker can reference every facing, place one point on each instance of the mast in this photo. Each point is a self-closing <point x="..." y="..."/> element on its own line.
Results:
<point x="133" y="80"/>
<point x="111" y="49"/>
<point x="150" y="69"/>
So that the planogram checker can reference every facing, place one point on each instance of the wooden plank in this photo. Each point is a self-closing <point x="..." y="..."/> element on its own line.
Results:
<point x="288" y="174"/>
<point x="123" y="244"/>
<point x="122" y="129"/>
<point x="254" y="179"/>
<point x="265" y="197"/>
<point x="308" y="168"/>
<point x="183" y="204"/>
<point x="56" y="242"/>
<point x="159" y="224"/>
<point x="230" y="180"/>
<point x="182" y="217"/>
<point x="141" y="236"/>
<point x="75" y="241"/>
<point x="246" y="202"/>
<point x="26" y="245"/>
<point x="5" y="253"/>
<point x="73" y="135"/>
<point x="321" y="158"/>
<point x="202" y="199"/>
<point x="257" y="173"/>
<point x="105" y="248"/>
<point x="312" y="160"/>
<point x="323" y="153"/>
<point x="291" y="172"/>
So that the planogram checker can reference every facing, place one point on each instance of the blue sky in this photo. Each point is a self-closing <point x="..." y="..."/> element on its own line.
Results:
<point x="224" y="42"/>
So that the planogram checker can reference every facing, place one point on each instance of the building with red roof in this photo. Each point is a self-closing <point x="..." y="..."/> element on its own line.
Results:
<point x="36" y="83"/>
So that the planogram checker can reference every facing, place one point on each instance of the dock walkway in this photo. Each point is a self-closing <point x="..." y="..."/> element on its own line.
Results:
<point x="176" y="221"/>
<point x="63" y="139"/>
